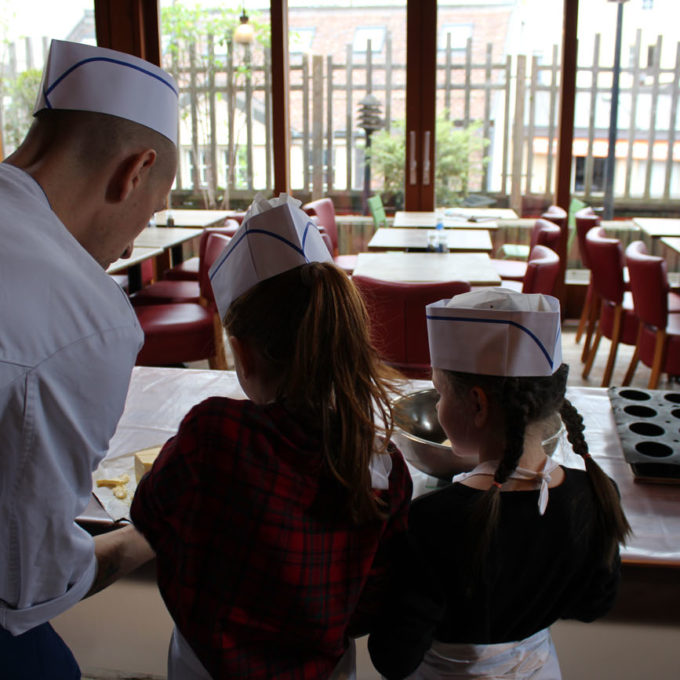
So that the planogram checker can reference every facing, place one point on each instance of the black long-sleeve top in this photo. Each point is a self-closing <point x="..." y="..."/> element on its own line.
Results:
<point x="538" y="569"/>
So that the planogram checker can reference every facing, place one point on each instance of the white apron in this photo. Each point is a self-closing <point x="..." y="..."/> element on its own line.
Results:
<point x="533" y="658"/>
<point x="183" y="664"/>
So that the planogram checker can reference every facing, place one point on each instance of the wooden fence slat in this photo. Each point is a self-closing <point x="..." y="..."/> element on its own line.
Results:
<point x="317" y="126"/>
<point x="486" y="126"/>
<point x="656" y="66"/>
<point x="468" y="80"/>
<point x="594" y="83"/>
<point x="518" y="136"/>
<point x="349" y="138"/>
<point x="506" y="125"/>
<point x="632" y="127"/>
<point x="305" y="122"/>
<point x="532" y="94"/>
<point x="213" y="170"/>
<point x="671" y="127"/>
<point x="329" y="164"/>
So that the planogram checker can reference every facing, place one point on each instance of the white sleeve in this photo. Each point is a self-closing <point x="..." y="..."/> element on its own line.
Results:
<point x="58" y="418"/>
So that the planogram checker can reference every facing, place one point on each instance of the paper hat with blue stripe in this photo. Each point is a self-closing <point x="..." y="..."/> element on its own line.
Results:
<point x="275" y="236"/>
<point x="86" y="78"/>
<point x="496" y="331"/>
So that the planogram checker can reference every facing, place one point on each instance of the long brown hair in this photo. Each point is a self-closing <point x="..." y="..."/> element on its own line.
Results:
<point x="524" y="401"/>
<point x="310" y="326"/>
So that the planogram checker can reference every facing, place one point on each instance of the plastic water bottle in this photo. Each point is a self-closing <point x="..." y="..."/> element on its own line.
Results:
<point x="441" y="244"/>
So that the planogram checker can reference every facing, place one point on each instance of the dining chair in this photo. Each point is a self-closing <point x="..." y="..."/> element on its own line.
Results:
<point x="584" y="221"/>
<point x="324" y="210"/>
<point x="397" y="316"/>
<point x="188" y="270"/>
<point x="520" y="251"/>
<point x="616" y="320"/>
<point x="176" y="333"/>
<point x="375" y="205"/>
<point x="658" y="341"/>
<point x="541" y="274"/>
<point x="169" y="291"/>
<point x="543" y="233"/>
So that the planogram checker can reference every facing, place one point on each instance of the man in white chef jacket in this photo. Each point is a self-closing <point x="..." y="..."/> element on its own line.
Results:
<point x="98" y="161"/>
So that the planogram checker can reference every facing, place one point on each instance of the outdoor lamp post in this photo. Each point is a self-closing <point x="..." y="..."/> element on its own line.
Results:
<point x="608" y="212"/>
<point x="369" y="121"/>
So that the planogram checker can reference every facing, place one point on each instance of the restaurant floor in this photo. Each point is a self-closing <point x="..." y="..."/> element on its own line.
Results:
<point x="605" y="650"/>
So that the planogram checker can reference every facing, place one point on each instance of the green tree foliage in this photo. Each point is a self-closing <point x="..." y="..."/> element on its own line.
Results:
<point x="459" y="154"/>
<point x="20" y="93"/>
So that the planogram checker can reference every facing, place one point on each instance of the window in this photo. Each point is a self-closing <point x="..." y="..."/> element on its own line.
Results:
<point x="300" y="40"/>
<point x="459" y="36"/>
<point x="375" y="34"/>
<point x="597" y="181"/>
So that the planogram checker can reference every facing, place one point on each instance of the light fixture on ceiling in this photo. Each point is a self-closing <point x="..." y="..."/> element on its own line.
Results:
<point x="244" y="33"/>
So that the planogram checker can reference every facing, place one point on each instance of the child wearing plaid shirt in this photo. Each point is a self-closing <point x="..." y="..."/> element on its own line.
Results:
<point x="274" y="518"/>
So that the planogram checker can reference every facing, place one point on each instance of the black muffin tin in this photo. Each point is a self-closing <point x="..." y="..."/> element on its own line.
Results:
<point x="648" y="425"/>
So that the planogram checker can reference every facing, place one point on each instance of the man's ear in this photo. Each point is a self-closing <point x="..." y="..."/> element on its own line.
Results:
<point x="480" y="406"/>
<point x="132" y="171"/>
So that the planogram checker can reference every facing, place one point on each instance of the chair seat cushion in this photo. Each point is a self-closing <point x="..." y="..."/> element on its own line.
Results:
<point x="510" y="269"/>
<point x="175" y="333"/>
<point x="514" y="251"/>
<point x="166" y="292"/>
<point x="184" y="271"/>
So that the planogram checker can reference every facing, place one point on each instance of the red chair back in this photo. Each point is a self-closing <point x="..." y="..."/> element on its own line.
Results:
<point x="215" y="243"/>
<point x="556" y="215"/>
<point x="324" y="210"/>
<point x="585" y="220"/>
<point x="648" y="284"/>
<point x="606" y="260"/>
<point x="545" y="233"/>
<point x="542" y="270"/>
<point x="398" y="323"/>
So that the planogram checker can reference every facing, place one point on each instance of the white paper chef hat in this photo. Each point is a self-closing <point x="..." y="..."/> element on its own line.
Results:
<point x="496" y="331"/>
<point x="87" y="78"/>
<point x="275" y="236"/>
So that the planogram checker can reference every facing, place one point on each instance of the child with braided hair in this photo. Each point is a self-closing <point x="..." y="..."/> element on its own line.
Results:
<point x="518" y="542"/>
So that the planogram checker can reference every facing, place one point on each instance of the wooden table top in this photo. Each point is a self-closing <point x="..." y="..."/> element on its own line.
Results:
<point x="193" y="218"/>
<point x="164" y="237"/>
<point x="672" y="242"/>
<point x="476" y="268"/>
<point x="656" y="227"/>
<point x="428" y="220"/>
<point x="458" y="240"/>
<point x="158" y="399"/>
<point x="139" y="255"/>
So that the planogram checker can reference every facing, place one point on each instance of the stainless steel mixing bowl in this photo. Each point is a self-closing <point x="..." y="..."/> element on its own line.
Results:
<point x="419" y="436"/>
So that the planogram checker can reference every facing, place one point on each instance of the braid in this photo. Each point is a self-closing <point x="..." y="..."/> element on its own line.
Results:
<point x="613" y="527"/>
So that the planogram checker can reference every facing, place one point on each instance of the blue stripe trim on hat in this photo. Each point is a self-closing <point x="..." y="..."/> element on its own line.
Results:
<point x="545" y="352"/>
<point x="257" y="231"/>
<point x="47" y="91"/>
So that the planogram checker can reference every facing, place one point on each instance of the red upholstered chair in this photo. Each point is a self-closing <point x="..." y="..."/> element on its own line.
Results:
<point x="187" y="331"/>
<point x="584" y="221"/>
<point x="324" y="210"/>
<point x="178" y="290"/>
<point x="398" y="323"/>
<point x="557" y="215"/>
<point x="188" y="270"/>
<point x="617" y="320"/>
<point x="543" y="268"/>
<point x="658" y="340"/>
<point x="543" y="233"/>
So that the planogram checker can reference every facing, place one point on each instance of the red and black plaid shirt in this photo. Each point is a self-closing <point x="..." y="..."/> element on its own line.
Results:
<point x="257" y="564"/>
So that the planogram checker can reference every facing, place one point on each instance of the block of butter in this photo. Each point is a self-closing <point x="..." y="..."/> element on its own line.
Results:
<point x="144" y="460"/>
